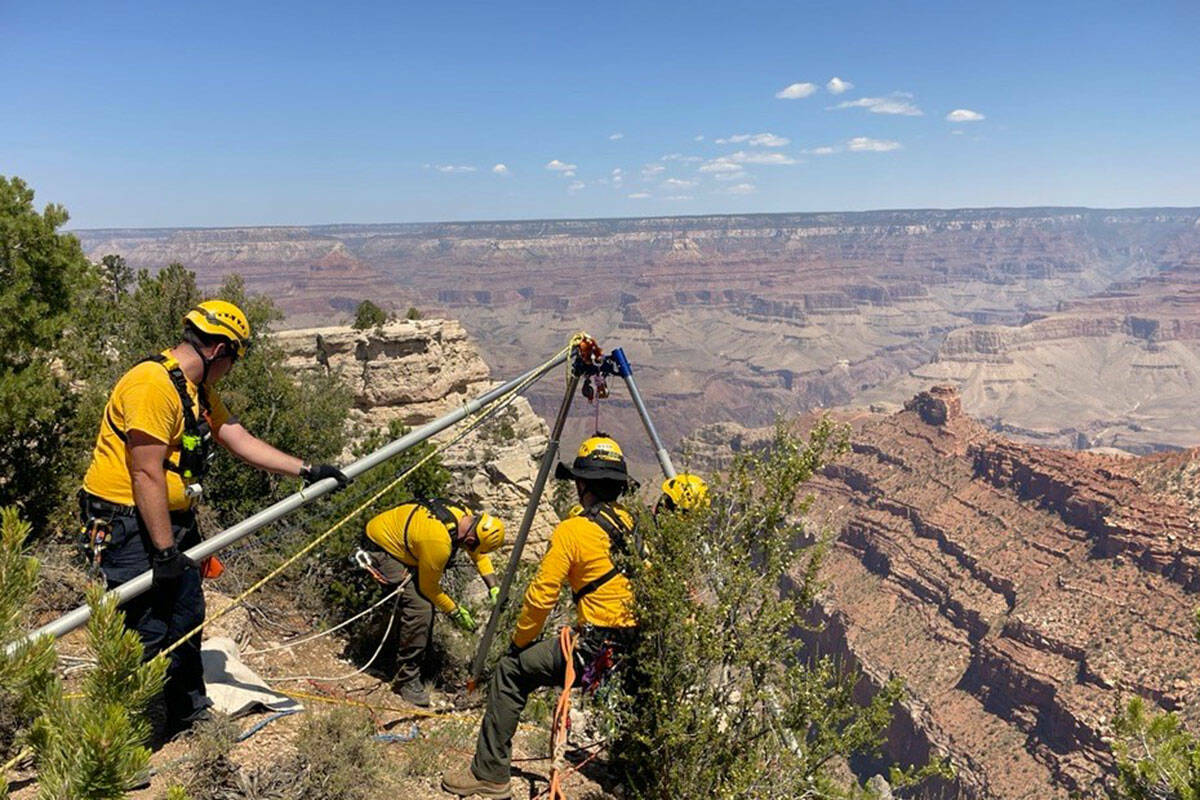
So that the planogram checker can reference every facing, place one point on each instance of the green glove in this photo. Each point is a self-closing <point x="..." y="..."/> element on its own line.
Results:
<point x="463" y="619"/>
<point x="493" y="596"/>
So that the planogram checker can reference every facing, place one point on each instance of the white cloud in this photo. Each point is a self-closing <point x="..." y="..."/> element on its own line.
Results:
<point x="697" y="138"/>
<point x="822" y="151"/>
<point x="741" y="188"/>
<point x="681" y="158"/>
<point x="719" y="165"/>
<point x="754" y="157"/>
<point x="575" y="186"/>
<point x="757" y="140"/>
<point x="836" y="85"/>
<point x="612" y="137"/>
<point x="501" y="169"/>
<point x="680" y="197"/>
<point x="618" y="177"/>
<point x="451" y="169"/>
<point x="731" y="176"/>
<point x="797" y="91"/>
<point x="957" y="132"/>
<point x="651" y="170"/>
<point x="677" y="183"/>
<point x="964" y="115"/>
<point x="897" y="103"/>
<point x="554" y="165"/>
<point x="569" y="173"/>
<point x="639" y="196"/>
<point x="863" y="144"/>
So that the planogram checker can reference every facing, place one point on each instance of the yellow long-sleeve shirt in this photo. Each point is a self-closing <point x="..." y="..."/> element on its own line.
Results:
<point x="579" y="553"/>
<point x="417" y="538"/>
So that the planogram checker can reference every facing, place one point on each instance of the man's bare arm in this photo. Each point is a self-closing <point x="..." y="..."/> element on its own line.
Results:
<point x="149" y="479"/>
<point x="254" y="451"/>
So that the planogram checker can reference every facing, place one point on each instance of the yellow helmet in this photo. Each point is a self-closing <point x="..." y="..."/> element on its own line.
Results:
<point x="490" y="531"/>
<point x="220" y="318"/>
<point x="599" y="458"/>
<point x="685" y="492"/>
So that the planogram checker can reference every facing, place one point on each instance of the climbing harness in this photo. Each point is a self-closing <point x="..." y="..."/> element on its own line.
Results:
<point x="606" y="516"/>
<point x="196" y="449"/>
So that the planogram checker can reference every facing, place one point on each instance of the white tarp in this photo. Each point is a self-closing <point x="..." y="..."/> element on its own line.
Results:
<point x="233" y="687"/>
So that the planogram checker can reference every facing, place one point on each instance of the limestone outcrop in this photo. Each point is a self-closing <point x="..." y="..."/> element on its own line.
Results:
<point x="413" y="371"/>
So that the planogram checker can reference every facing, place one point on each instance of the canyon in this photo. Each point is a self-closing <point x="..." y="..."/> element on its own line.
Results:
<point x="1023" y="593"/>
<point x="744" y="317"/>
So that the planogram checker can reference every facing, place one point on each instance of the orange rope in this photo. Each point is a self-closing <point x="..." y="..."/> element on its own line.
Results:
<point x="562" y="718"/>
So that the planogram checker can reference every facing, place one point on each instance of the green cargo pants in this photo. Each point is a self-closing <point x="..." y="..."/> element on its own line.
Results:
<point x="516" y="677"/>
<point x="413" y="620"/>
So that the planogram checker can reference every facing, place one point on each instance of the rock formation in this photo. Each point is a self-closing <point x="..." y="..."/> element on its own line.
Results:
<point x="1022" y="593"/>
<point x="415" y="371"/>
<point x="738" y="317"/>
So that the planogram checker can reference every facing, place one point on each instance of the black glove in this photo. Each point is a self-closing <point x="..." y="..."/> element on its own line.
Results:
<point x="169" y="566"/>
<point x="311" y="473"/>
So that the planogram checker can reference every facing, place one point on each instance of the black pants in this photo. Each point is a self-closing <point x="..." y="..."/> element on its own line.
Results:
<point x="161" y="616"/>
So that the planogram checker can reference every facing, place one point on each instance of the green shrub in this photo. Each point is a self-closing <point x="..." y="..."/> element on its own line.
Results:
<point x="725" y="699"/>
<point x="368" y="315"/>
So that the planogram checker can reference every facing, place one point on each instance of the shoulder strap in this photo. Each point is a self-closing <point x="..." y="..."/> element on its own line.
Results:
<point x="605" y="516"/>
<point x="190" y="424"/>
<point x="439" y="511"/>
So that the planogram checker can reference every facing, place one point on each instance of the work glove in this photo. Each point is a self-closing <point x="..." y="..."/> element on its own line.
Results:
<point x="311" y="473"/>
<point x="493" y="596"/>
<point x="168" y="567"/>
<point x="463" y="619"/>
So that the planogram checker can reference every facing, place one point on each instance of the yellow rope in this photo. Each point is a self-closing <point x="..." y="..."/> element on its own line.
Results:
<point x="480" y="416"/>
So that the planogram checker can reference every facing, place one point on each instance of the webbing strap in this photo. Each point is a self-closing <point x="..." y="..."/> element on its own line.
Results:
<point x="605" y="516"/>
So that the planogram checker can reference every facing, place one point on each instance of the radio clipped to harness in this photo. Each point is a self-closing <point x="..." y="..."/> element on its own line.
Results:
<point x="95" y="536"/>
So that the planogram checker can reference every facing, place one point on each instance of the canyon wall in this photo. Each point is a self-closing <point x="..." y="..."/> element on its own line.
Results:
<point x="743" y="316"/>
<point x="1023" y="593"/>
<point x="415" y="371"/>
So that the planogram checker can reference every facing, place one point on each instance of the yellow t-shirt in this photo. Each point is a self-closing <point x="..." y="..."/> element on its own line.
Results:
<point x="428" y="548"/>
<point x="145" y="400"/>
<point x="579" y="554"/>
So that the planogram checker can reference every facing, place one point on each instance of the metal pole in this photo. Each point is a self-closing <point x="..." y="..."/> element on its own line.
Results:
<point x="626" y="372"/>
<point x="514" y="558"/>
<point x="139" y="585"/>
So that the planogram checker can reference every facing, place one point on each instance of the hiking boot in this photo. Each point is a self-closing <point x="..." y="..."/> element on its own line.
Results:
<point x="415" y="692"/>
<point x="463" y="783"/>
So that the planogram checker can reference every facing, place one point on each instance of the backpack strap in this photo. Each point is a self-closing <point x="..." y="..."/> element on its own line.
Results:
<point x="193" y="457"/>
<point x="439" y="510"/>
<point x="605" y="516"/>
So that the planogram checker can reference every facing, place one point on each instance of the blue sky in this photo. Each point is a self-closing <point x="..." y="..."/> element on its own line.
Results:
<point x="165" y="114"/>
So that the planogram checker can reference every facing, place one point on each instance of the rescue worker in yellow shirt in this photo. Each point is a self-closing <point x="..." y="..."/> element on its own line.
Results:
<point x="584" y="553"/>
<point x="156" y="438"/>
<point x="410" y="545"/>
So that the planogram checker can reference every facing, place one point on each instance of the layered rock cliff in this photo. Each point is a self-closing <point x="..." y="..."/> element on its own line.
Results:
<point x="415" y="371"/>
<point x="735" y="317"/>
<point x="1022" y="593"/>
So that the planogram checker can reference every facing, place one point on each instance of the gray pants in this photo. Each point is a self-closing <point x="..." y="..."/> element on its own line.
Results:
<point x="516" y="677"/>
<point x="413" y="620"/>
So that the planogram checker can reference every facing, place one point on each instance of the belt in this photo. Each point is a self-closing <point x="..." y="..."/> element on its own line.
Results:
<point x="92" y="503"/>
<point x="104" y="507"/>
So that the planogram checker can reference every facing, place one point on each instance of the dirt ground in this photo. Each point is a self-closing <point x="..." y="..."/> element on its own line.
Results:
<point x="442" y="737"/>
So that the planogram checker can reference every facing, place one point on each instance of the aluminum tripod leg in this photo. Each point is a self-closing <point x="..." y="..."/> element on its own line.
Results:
<point x="514" y="557"/>
<point x="660" y="452"/>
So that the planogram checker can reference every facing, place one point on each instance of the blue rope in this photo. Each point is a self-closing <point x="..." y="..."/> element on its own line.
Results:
<point x="413" y="733"/>
<point x="258" y="726"/>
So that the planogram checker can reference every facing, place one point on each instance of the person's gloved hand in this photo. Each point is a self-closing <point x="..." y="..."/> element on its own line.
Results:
<point x="493" y="596"/>
<point x="168" y="567"/>
<point x="311" y="473"/>
<point x="462" y="618"/>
